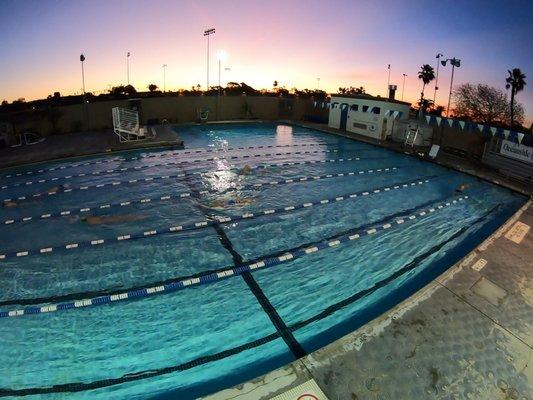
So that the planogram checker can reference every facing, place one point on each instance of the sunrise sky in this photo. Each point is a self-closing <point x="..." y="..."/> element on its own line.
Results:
<point x="294" y="42"/>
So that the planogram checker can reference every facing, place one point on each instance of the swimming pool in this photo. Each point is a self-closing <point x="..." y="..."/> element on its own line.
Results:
<point x="214" y="273"/>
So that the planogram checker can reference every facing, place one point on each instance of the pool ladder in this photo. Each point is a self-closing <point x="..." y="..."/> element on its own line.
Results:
<point x="410" y="137"/>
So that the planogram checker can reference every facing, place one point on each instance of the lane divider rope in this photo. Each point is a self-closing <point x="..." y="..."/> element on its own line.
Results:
<point x="174" y="196"/>
<point x="331" y="309"/>
<point x="223" y="274"/>
<point x="50" y="214"/>
<point x="281" y="210"/>
<point x="125" y="169"/>
<point x="79" y="210"/>
<point x="204" y="222"/>
<point x="61" y="190"/>
<point x="154" y="155"/>
<point x="25" y="197"/>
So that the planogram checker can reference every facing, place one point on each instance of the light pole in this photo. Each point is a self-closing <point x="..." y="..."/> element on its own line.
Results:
<point x="455" y="63"/>
<point x="388" y="82"/>
<point x="128" y="67"/>
<point x="221" y="56"/>
<point x="439" y="55"/>
<point x="208" y="32"/>
<point x="82" y="59"/>
<point x="86" y="115"/>
<point x="403" y="85"/>
<point x="164" y="78"/>
<point x="317" y="83"/>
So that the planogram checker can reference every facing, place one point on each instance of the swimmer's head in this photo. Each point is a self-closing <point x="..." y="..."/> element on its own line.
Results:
<point x="246" y="169"/>
<point x="9" y="204"/>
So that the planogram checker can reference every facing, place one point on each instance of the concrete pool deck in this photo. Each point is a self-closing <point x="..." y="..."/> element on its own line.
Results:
<point x="466" y="335"/>
<point x="81" y="144"/>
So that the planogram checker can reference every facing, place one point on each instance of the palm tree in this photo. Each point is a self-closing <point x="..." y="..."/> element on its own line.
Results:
<point x="516" y="82"/>
<point x="426" y="74"/>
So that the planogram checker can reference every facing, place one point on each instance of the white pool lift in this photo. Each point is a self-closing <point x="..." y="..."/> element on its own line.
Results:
<point x="126" y="125"/>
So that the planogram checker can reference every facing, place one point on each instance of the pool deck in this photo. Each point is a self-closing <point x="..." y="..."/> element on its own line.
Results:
<point x="466" y="335"/>
<point x="73" y="145"/>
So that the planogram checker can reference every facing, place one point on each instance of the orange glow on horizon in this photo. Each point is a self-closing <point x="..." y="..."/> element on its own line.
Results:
<point x="293" y="43"/>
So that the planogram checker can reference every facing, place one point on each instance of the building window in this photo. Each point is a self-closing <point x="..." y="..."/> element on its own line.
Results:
<point x="354" y="107"/>
<point x="359" y="125"/>
<point x="365" y="108"/>
<point x="376" y="110"/>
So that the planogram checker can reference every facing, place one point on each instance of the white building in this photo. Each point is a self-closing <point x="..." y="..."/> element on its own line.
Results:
<point x="366" y="115"/>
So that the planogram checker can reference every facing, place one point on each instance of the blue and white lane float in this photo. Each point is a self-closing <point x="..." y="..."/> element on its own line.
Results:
<point x="156" y="155"/>
<point x="68" y="189"/>
<point x="171" y="197"/>
<point x="142" y="168"/>
<point x="211" y="277"/>
<point x="175" y="196"/>
<point x="69" y="247"/>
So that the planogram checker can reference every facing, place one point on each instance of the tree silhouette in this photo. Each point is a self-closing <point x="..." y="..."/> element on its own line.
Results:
<point x="484" y="104"/>
<point x="152" y="87"/>
<point x="516" y="82"/>
<point x="122" y="90"/>
<point x="426" y="75"/>
<point x="352" y="90"/>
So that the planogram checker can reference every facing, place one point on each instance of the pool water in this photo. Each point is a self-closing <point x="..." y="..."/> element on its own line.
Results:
<point x="175" y="274"/>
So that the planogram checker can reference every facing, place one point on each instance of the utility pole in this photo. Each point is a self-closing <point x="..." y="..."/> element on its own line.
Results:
<point x="164" y="78"/>
<point x="388" y="82"/>
<point x="403" y="85"/>
<point x="128" y="67"/>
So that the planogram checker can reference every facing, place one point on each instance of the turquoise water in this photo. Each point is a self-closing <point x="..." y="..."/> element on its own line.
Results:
<point x="210" y="336"/>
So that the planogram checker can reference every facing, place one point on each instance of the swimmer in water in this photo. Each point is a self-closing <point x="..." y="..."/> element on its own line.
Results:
<point x="246" y="170"/>
<point x="55" y="189"/>
<point x="462" y="187"/>
<point x="109" y="219"/>
<point x="238" y="201"/>
<point x="9" y="204"/>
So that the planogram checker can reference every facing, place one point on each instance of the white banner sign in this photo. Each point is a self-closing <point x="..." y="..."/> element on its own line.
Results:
<point x="517" y="151"/>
